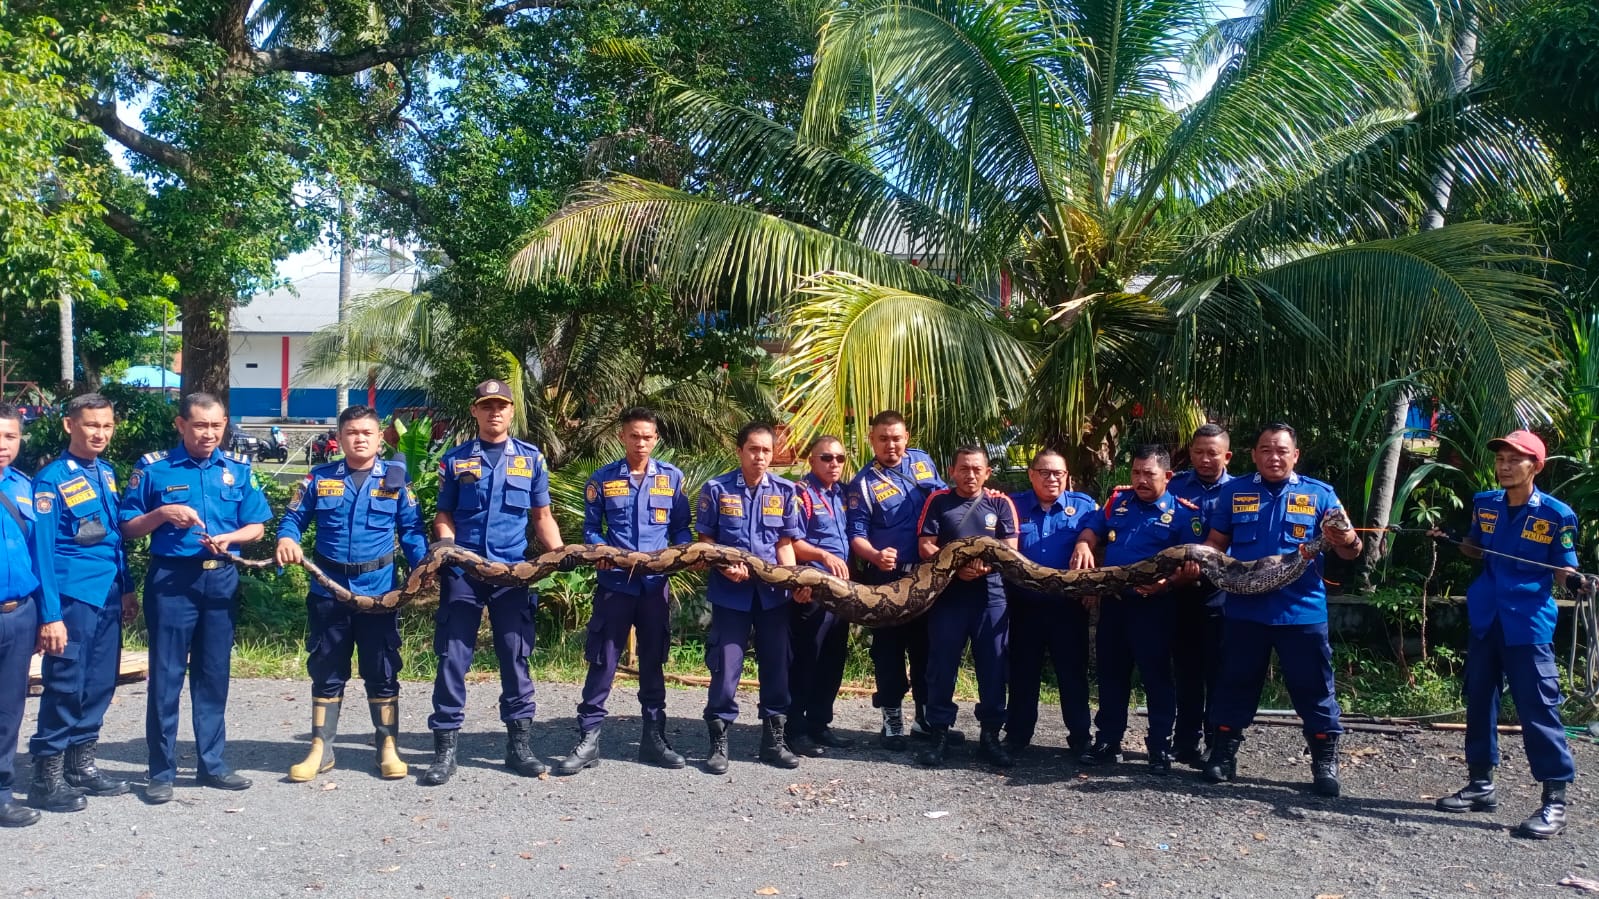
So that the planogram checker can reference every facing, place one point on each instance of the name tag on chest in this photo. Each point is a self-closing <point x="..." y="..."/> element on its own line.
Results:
<point x="615" y="488"/>
<point x="1301" y="504"/>
<point x="772" y="505"/>
<point x="1246" y="502"/>
<point x="662" y="486"/>
<point x="882" y="490"/>
<point x="76" y="492"/>
<point x="519" y="468"/>
<point x="1538" y="531"/>
<point x="329" y="487"/>
<point x="730" y="505"/>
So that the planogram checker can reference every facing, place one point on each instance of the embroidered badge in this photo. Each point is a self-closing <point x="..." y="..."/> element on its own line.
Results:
<point x="1302" y="504"/>
<point x="42" y="502"/>
<point x="76" y="492"/>
<point x="615" y="488"/>
<point x="772" y="504"/>
<point x="592" y="492"/>
<point x="990" y="521"/>
<point x="921" y="470"/>
<point x="731" y="505"/>
<point x="227" y="477"/>
<point x="1246" y="502"/>
<point x="329" y="487"/>
<point x="660" y="516"/>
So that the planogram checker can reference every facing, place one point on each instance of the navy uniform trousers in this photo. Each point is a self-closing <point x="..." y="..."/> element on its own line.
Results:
<point x="615" y="613"/>
<point x="821" y="646"/>
<point x="1196" y="662"/>
<point x="1040" y="623"/>
<point x="461" y="604"/>
<point x="1136" y="632"/>
<point x="724" y="656"/>
<point x="1304" y="658"/>
<point x="336" y="633"/>
<point x="892" y="647"/>
<point x="79" y="683"/>
<point x="19" y="634"/>
<point x="189" y="611"/>
<point x="1535" y="689"/>
<point x="951" y="622"/>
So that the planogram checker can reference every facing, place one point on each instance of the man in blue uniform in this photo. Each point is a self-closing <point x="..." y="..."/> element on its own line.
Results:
<point x="971" y="609"/>
<point x="1277" y="511"/>
<point x="637" y="503"/>
<point x="358" y="507"/>
<point x="1196" y="652"/>
<point x="884" y="502"/>
<point x="490" y="487"/>
<point x="76" y="500"/>
<point x="1137" y="627"/>
<point x="1532" y="537"/>
<point x="1049" y="518"/>
<point x="821" y="638"/>
<point x="30" y="613"/>
<point x="196" y="503"/>
<point x="749" y="508"/>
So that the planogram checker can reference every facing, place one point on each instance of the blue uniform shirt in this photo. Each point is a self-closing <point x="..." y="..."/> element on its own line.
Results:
<point x="822" y="510"/>
<point x="752" y="518"/>
<point x="221" y="488"/>
<point x="25" y="569"/>
<point x="357" y="524"/>
<point x="1187" y="485"/>
<point x="949" y="516"/>
<point x="1046" y="536"/>
<point x="1262" y="519"/>
<point x="885" y="504"/>
<point x="647" y="516"/>
<point x="77" y="504"/>
<point x="1132" y="530"/>
<point x="1518" y="594"/>
<point x="490" y="499"/>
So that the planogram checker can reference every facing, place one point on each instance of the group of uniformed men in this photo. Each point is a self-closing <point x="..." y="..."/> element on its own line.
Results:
<point x="1202" y="655"/>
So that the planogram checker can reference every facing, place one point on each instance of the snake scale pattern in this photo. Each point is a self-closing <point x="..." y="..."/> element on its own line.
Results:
<point x="875" y="606"/>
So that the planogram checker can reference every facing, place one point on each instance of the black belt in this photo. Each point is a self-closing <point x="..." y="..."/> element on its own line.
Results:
<point x="12" y="605"/>
<point x="352" y="569"/>
<point x="210" y="564"/>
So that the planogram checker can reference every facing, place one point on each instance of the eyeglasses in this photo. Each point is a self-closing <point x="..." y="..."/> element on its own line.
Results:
<point x="830" y="457"/>
<point x="1050" y="474"/>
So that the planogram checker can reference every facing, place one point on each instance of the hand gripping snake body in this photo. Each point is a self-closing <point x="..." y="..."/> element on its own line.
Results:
<point x="874" y="606"/>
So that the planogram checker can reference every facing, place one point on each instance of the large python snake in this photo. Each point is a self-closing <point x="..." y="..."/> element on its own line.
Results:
<point x="875" y="606"/>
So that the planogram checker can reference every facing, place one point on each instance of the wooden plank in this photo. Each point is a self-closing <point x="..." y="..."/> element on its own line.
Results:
<point x="134" y="667"/>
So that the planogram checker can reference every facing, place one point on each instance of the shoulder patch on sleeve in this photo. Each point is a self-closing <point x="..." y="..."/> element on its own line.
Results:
<point x="156" y="456"/>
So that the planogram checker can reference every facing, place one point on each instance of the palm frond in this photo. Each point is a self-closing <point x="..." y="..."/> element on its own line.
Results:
<point x="624" y="225"/>
<point x="858" y="348"/>
<point x="387" y="333"/>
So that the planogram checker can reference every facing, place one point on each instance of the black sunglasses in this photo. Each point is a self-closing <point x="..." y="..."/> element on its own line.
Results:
<point x="831" y="457"/>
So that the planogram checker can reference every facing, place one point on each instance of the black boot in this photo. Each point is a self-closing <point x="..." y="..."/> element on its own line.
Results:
<point x="991" y="748"/>
<point x="654" y="750"/>
<point x="1324" y="764"/>
<point x="1101" y="753"/>
<point x="83" y="774"/>
<point x="49" y="790"/>
<point x="586" y="754"/>
<point x="1476" y="796"/>
<point x="1549" y="821"/>
<point x="1159" y="756"/>
<point x="774" y="743"/>
<point x="799" y="738"/>
<point x="519" y="755"/>
<point x="716" y="759"/>
<point x="15" y="814"/>
<point x="443" y="767"/>
<point x="1222" y="764"/>
<point x="937" y="750"/>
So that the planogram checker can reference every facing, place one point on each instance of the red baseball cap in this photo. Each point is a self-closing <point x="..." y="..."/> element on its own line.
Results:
<point x="1522" y="441"/>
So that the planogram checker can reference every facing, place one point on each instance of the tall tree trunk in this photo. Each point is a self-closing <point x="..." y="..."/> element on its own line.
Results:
<point x="1462" y="53"/>
<point x="346" y="272"/>
<point x="206" y="351"/>
<point x="68" y="356"/>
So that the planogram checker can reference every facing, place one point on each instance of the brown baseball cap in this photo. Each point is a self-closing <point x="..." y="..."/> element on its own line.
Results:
<point x="492" y="389"/>
<point x="1522" y="441"/>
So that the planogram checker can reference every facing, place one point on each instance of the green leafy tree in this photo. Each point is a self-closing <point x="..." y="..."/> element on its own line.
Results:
<point x="1248" y="251"/>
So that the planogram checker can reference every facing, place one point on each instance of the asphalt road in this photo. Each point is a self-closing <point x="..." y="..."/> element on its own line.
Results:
<point x="864" y="822"/>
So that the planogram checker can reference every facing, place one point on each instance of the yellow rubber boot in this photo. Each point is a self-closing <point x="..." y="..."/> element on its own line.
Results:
<point x="324" y="727"/>
<point x="385" y="724"/>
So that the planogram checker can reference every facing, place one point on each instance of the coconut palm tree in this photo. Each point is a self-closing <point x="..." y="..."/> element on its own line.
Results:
<point x="1249" y="251"/>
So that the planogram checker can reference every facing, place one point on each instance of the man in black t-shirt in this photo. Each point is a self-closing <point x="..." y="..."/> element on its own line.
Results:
<point x="971" y="608"/>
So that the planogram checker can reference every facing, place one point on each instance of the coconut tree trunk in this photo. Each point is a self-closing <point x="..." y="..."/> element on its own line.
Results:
<point x="346" y="273"/>
<point x="1463" y="51"/>
<point x="68" y="354"/>
<point x="206" y="352"/>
